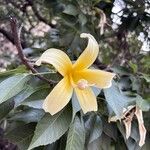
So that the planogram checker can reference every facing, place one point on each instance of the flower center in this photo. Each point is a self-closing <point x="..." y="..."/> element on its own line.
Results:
<point x="82" y="84"/>
<point x="79" y="83"/>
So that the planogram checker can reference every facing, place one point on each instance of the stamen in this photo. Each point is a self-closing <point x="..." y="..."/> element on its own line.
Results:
<point x="82" y="84"/>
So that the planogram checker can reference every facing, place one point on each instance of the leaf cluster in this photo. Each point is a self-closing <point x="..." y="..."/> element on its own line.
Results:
<point x="22" y="119"/>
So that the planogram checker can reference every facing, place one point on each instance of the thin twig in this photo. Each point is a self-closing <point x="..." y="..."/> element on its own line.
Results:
<point x="10" y="37"/>
<point x="7" y="35"/>
<point x="24" y="60"/>
<point x="23" y="8"/>
<point x="38" y="15"/>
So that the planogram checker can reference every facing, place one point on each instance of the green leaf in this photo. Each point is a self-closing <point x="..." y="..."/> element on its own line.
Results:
<point x="51" y="128"/>
<point x="121" y="70"/>
<point x="24" y="95"/>
<point x="96" y="91"/>
<point x="20" y="69"/>
<point x="134" y="132"/>
<point x="115" y="99"/>
<point x="136" y="84"/>
<point x="70" y="10"/>
<point x="146" y="77"/>
<point x="21" y="135"/>
<point x="82" y="19"/>
<point x="28" y="115"/>
<point x="97" y="129"/>
<point x="36" y="99"/>
<point x="76" y="135"/>
<point x="109" y="129"/>
<point x="12" y="86"/>
<point x="75" y="105"/>
<point x="143" y="104"/>
<point x="133" y="66"/>
<point x="5" y="108"/>
<point x="32" y="96"/>
<point x="102" y="143"/>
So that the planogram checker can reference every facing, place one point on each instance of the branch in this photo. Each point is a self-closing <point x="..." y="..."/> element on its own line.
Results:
<point x="23" y="8"/>
<point x="7" y="35"/>
<point x="10" y="37"/>
<point x="24" y="60"/>
<point x="36" y="12"/>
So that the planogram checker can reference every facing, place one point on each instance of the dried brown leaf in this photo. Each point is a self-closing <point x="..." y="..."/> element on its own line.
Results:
<point x="142" y="130"/>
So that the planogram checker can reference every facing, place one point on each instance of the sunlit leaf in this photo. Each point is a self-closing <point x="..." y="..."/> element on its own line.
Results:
<point x="12" y="86"/>
<point x="133" y="66"/>
<point x="70" y="10"/>
<point x="115" y="99"/>
<point x="142" y="104"/>
<point x="82" y="19"/>
<point x="20" y="69"/>
<point x="146" y="77"/>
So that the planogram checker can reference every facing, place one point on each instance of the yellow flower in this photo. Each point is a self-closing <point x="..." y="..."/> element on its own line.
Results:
<point x="76" y="77"/>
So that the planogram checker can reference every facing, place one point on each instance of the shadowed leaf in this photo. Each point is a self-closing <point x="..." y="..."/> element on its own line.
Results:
<point x="76" y="135"/>
<point x="51" y="128"/>
<point x="21" y="135"/>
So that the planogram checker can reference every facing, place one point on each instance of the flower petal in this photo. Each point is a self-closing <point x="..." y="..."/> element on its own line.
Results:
<point x="99" y="78"/>
<point x="59" y="97"/>
<point x="57" y="58"/>
<point x="89" y="55"/>
<point x="87" y="99"/>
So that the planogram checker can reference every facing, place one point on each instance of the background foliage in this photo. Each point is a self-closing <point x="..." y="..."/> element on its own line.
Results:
<point x="59" y="23"/>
